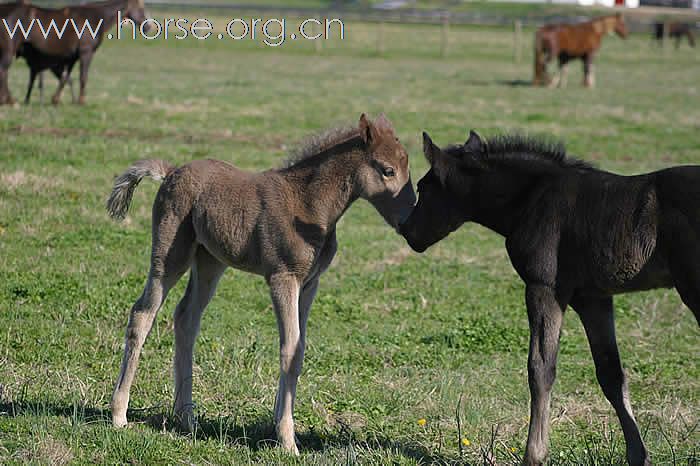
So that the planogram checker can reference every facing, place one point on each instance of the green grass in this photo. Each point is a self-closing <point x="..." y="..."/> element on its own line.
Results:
<point x="393" y="336"/>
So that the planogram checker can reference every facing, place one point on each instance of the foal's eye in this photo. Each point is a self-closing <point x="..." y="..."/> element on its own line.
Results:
<point x="388" y="172"/>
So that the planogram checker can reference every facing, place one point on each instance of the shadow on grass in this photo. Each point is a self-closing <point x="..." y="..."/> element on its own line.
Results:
<point x="516" y="83"/>
<point x="261" y="434"/>
<point x="499" y="82"/>
<point x="255" y="435"/>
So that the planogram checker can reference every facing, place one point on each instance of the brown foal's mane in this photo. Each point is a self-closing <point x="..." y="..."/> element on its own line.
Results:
<point x="323" y="142"/>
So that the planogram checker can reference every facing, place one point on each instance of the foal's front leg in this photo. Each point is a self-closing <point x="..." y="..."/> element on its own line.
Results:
<point x="545" y="315"/>
<point x="284" y="289"/>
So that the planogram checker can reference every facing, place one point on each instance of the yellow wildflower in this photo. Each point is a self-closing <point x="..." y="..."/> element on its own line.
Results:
<point x="513" y="449"/>
<point x="422" y="422"/>
<point x="466" y="442"/>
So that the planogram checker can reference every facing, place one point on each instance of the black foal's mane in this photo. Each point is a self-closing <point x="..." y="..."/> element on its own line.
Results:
<point x="527" y="153"/>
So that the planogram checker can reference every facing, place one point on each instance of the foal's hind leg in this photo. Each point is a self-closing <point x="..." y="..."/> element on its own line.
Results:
<point x="684" y="262"/>
<point x="598" y="320"/>
<point x="173" y="249"/>
<point x="205" y="275"/>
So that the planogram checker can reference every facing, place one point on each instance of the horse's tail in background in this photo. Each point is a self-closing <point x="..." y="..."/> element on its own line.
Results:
<point x="125" y="184"/>
<point x="540" y="65"/>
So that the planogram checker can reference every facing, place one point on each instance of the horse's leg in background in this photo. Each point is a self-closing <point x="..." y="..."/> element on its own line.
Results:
<point x="85" y="60"/>
<point x="58" y="71"/>
<point x="65" y="76"/>
<point x="588" y="76"/>
<point x="62" y="72"/>
<point x="540" y="72"/>
<point x="56" y="99"/>
<point x="204" y="276"/>
<point x="5" y="62"/>
<point x="599" y="322"/>
<point x="551" y="53"/>
<point x="41" y="88"/>
<point x="563" y="70"/>
<point x="545" y="315"/>
<point x="69" y="81"/>
<point x="30" y="85"/>
<point x="284" y="290"/>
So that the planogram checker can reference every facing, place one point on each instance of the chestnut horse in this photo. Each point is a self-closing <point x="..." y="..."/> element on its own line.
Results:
<point x="61" y="54"/>
<point x="568" y="41"/>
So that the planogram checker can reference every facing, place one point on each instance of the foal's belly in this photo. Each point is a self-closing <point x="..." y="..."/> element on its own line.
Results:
<point x="655" y="273"/>
<point x="230" y="240"/>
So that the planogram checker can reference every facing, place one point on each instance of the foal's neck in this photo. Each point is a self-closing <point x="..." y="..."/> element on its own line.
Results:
<point x="325" y="182"/>
<point x="504" y="211"/>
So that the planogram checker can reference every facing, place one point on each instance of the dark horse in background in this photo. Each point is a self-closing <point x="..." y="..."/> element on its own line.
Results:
<point x="675" y="31"/>
<point x="38" y="62"/>
<point x="60" y="55"/>
<point x="577" y="236"/>
<point x="11" y="13"/>
<point x="570" y="41"/>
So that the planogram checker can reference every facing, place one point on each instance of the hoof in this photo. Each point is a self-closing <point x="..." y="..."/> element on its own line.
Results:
<point x="287" y="439"/>
<point x="291" y="449"/>
<point x="119" y="421"/>
<point x="187" y="421"/>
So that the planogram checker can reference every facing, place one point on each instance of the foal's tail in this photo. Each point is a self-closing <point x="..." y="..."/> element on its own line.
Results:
<point x="125" y="184"/>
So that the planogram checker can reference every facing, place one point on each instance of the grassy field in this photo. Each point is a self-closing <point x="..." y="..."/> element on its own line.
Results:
<point x="394" y="337"/>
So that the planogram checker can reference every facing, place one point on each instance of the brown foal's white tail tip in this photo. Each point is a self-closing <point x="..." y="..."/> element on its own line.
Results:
<point x="125" y="184"/>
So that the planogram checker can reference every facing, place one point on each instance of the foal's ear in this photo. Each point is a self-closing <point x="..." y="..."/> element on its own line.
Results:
<point x="474" y="144"/>
<point x="368" y="130"/>
<point x="364" y="128"/>
<point x="430" y="150"/>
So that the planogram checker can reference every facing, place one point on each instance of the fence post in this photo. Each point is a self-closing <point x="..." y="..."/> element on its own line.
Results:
<point x="445" y="33"/>
<point x="517" y="39"/>
<point x="380" y="38"/>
